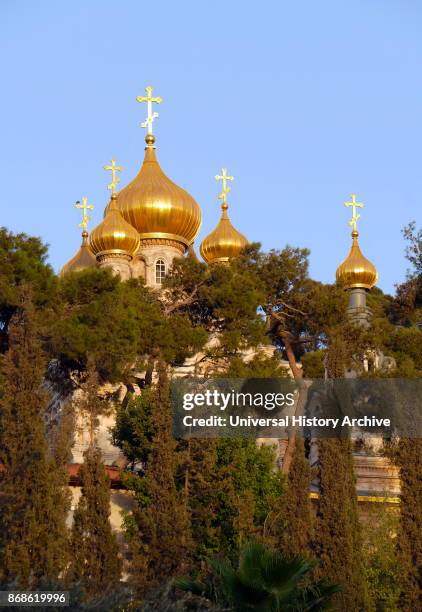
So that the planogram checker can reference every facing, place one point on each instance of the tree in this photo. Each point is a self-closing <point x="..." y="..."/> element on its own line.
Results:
<point x="409" y="541"/>
<point x="159" y="527"/>
<point x="338" y="542"/>
<point x="89" y="404"/>
<point x="407" y="305"/>
<point x="120" y="324"/>
<point x="22" y="261"/>
<point x="133" y="431"/>
<point x="34" y="504"/>
<point x="380" y="557"/>
<point x="414" y="246"/>
<point x="338" y="538"/>
<point x="95" y="565"/>
<point x="293" y="524"/>
<point x="263" y="580"/>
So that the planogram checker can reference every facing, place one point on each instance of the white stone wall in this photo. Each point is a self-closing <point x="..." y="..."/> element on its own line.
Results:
<point x="144" y="263"/>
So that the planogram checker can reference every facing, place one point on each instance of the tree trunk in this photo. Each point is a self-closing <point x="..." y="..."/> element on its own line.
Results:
<point x="301" y="403"/>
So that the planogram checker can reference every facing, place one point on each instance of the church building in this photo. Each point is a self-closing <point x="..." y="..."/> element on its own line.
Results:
<point x="151" y="221"/>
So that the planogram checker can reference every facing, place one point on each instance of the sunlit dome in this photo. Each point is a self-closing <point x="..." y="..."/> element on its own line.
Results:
<point x="157" y="207"/>
<point x="223" y="243"/>
<point x="114" y="234"/>
<point x="83" y="259"/>
<point x="356" y="270"/>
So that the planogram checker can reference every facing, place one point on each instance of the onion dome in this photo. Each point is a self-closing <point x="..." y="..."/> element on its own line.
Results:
<point x="356" y="271"/>
<point x="159" y="209"/>
<point x="224" y="242"/>
<point x="83" y="259"/>
<point x="114" y="234"/>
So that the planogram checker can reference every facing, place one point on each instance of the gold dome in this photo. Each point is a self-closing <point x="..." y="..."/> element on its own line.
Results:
<point x="83" y="259"/>
<point x="224" y="242"/>
<point x="114" y="234"/>
<point x="156" y="206"/>
<point x="356" y="270"/>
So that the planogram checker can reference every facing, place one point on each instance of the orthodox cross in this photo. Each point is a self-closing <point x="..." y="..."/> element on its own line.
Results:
<point x="85" y="217"/>
<point x="223" y="177"/>
<point x="114" y="178"/>
<point x="355" y="215"/>
<point x="150" y="114"/>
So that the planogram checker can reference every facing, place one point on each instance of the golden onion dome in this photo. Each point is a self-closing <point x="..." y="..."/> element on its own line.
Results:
<point x="156" y="206"/>
<point x="356" y="270"/>
<point x="114" y="234"/>
<point x="83" y="259"/>
<point x="224" y="243"/>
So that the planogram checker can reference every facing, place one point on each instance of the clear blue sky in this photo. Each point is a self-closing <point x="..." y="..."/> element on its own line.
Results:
<point x="303" y="101"/>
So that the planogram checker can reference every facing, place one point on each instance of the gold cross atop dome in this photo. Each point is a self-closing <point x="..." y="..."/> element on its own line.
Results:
<point x="355" y="215"/>
<point x="114" y="178"/>
<point x="223" y="177"/>
<point x="85" y="217"/>
<point x="149" y="99"/>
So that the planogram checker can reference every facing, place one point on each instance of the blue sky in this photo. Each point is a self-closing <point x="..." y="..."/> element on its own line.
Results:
<point x="304" y="102"/>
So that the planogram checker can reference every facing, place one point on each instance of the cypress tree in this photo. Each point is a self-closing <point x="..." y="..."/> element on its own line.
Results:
<point x="338" y="538"/>
<point x="293" y="527"/>
<point x="160" y="529"/>
<point x="408" y="457"/>
<point x="202" y="491"/>
<point x="33" y="536"/>
<point x="338" y="541"/>
<point x="95" y="564"/>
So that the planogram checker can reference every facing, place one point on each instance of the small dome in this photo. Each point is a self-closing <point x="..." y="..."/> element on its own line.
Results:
<point x="114" y="234"/>
<point x="156" y="206"/>
<point x="356" y="270"/>
<point x="83" y="259"/>
<point x="224" y="243"/>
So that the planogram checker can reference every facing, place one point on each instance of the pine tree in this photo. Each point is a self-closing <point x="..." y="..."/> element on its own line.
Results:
<point x="293" y="526"/>
<point x="160" y="529"/>
<point x="95" y="563"/>
<point x="34" y="504"/>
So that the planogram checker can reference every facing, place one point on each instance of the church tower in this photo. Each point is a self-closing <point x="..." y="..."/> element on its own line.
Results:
<point x="357" y="274"/>
<point x="114" y="241"/>
<point x="165" y="216"/>
<point x="224" y="242"/>
<point x="84" y="258"/>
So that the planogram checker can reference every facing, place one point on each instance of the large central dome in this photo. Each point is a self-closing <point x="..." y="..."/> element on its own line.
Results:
<point x="156" y="206"/>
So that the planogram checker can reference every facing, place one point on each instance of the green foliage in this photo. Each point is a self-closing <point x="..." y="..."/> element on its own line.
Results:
<point x="33" y="536"/>
<point x="406" y="343"/>
<point x="23" y="261"/>
<point x="413" y="238"/>
<point x="338" y="542"/>
<point x="233" y="487"/>
<point x="133" y="430"/>
<point x="292" y="526"/>
<point x="212" y="297"/>
<point x="116" y="323"/>
<point x="258" y="367"/>
<point x="95" y="565"/>
<point x="313" y="364"/>
<point x="159" y="528"/>
<point x="407" y="455"/>
<point x="263" y="580"/>
<point x="252" y="469"/>
<point x="380" y="525"/>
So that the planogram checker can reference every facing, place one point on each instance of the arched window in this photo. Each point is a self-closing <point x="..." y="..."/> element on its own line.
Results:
<point x="160" y="271"/>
